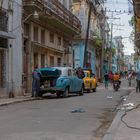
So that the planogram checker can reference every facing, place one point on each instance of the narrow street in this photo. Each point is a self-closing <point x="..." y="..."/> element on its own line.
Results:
<point x="52" y="118"/>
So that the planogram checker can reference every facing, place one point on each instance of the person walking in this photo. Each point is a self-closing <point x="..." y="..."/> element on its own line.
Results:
<point x="80" y="73"/>
<point x="129" y="79"/>
<point x="35" y="83"/>
<point x="106" y="78"/>
<point x="138" y="81"/>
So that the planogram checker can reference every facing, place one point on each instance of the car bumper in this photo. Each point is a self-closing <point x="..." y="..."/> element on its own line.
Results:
<point x="52" y="89"/>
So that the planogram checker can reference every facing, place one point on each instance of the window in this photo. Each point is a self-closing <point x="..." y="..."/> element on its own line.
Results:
<point x="69" y="72"/>
<point x="26" y="29"/>
<point x="51" y="61"/>
<point x="42" y="60"/>
<point x="51" y="37"/>
<point x="3" y="21"/>
<point x="58" y="61"/>
<point x="35" y="33"/>
<point x="42" y="36"/>
<point x="35" y="60"/>
<point x="59" y="41"/>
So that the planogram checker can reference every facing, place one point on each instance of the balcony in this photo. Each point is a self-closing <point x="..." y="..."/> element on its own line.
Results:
<point x="54" y="14"/>
<point x="137" y="7"/>
<point x="32" y="5"/>
<point x="137" y="39"/>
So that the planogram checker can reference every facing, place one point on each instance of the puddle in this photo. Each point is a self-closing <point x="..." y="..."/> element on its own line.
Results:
<point x="105" y="120"/>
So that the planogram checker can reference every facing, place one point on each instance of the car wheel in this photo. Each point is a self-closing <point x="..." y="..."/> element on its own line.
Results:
<point x="94" y="90"/>
<point x="81" y="92"/>
<point x="40" y="94"/>
<point x="66" y="92"/>
<point x="58" y="94"/>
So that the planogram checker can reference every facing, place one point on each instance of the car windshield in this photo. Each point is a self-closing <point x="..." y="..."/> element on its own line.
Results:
<point x="86" y="74"/>
<point x="65" y="71"/>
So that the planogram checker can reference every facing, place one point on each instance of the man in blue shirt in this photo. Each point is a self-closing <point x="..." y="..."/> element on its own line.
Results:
<point x="138" y="81"/>
<point x="35" y="83"/>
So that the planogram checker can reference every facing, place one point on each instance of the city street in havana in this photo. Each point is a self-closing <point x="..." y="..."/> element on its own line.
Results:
<point x="53" y="118"/>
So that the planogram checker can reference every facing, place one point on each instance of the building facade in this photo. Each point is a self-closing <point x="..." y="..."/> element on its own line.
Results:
<point x="90" y="41"/>
<point x="10" y="47"/>
<point x="47" y="39"/>
<point x="136" y="4"/>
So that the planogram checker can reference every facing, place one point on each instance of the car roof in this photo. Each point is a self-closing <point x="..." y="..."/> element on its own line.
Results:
<point x="64" y="70"/>
<point x="61" y="68"/>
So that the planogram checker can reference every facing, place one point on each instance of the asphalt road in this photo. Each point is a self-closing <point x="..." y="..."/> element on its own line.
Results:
<point x="52" y="119"/>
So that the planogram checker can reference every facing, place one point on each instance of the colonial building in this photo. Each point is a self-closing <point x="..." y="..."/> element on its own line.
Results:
<point x="88" y="47"/>
<point x="137" y="32"/>
<point x="10" y="47"/>
<point x="48" y="36"/>
<point x="118" y="55"/>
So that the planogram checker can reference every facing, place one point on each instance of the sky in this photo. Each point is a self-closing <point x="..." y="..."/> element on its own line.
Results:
<point x="121" y="22"/>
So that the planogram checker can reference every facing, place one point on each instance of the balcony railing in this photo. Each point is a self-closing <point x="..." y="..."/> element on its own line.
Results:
<point x="35" y="4"/>
<point x="137" y="7"/>
<point x="137" y="36"/>
<point x="60" y="11"/>
<point x="57" y="10"/>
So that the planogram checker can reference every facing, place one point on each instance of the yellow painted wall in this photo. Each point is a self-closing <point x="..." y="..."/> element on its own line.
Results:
<point x="138" y="25"/>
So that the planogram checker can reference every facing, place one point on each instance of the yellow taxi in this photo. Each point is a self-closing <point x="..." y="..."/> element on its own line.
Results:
<point x="90" y="82"/>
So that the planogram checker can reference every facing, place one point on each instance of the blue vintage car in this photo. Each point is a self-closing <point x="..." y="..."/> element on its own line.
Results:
<point x="60" y="80"/>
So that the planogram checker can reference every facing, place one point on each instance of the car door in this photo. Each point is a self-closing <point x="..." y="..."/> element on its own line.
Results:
<point x="77" y="83"/>
<point x="72" y="80"/>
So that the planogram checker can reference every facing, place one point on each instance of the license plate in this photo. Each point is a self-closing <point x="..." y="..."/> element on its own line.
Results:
<point x="47" y="84"/>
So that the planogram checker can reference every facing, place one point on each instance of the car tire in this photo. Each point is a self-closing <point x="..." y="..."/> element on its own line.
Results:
<point x="66" y="92"/>
<point x="81" y="92"/>
<point x="40" y="94"/>
<point x="58" y="94"/>
<point x="94" y="90"/>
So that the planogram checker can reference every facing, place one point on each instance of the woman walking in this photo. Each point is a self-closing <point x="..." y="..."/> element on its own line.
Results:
<point x="106" y="78"/>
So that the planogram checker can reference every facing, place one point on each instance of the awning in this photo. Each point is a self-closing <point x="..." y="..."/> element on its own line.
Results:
<point x="7" y="35"/>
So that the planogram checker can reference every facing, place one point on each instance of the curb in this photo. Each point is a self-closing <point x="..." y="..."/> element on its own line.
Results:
<point x="111" y="132"/>
<point x="17" y="101"/>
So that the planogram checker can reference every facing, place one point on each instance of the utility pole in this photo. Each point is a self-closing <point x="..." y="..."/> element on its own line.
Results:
<point x="111" y="35"/>
<point x="87" y="35"/>
<point x="103" y="46"/>
<point x="110" y="55"/>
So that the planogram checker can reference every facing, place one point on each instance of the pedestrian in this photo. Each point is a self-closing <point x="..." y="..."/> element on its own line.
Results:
<point x="35" y="83"/>
<point x="129" y="79"/>
<point x="110" y="75"/>
<point x="80" y="73"/>
<point x="106" y="78"/>
<point x="138" y="81"/>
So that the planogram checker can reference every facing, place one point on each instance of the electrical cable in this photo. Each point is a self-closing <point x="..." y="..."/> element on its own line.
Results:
<point x="126" y="111"/>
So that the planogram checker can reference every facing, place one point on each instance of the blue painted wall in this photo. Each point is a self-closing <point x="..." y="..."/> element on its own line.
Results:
<point x="79" y="55"/>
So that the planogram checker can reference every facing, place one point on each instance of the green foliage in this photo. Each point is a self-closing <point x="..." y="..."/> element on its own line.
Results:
<point x="132" y="21"/>
<point x="99" y="42"/>
<point x="136" y="57"/>
<point x="113" y="50"/>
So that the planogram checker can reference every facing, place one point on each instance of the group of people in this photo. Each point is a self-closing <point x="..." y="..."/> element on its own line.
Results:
<point x="110" y="77"/>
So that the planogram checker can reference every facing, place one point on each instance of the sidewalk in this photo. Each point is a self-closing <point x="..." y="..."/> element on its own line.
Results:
<point x="18" y="99"/>
<point x="130" y="128"/>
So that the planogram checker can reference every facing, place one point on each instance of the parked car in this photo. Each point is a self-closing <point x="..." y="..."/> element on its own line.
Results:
<point x="60" y="81"/>
<point x="90" y="82"/>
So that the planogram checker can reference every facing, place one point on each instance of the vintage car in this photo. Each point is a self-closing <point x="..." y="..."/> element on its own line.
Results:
<point x="90" y="82"/>
<point x="60" y="80"/>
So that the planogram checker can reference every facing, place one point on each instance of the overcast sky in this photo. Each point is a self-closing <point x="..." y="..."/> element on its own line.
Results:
<point x="122" y="8"/>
